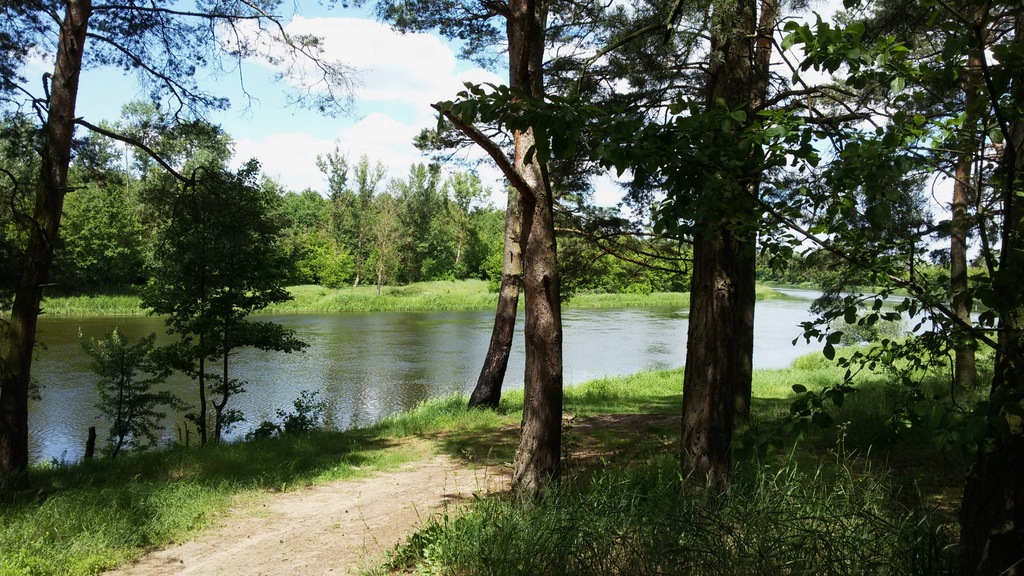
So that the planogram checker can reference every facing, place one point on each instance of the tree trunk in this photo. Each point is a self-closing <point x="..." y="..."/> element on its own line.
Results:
<point x="992" y="511"/>
<point x="488" y="385"/>
<point x="537" y="459"/>
<point x="715" y="365"/>
<point x="201" y="419"/>
<point x="15" y="366"/>
<point x="720" y="336"/>
<point x="965" y="373"/>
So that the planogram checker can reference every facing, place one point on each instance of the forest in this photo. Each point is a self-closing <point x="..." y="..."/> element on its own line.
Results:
<point x="757" y="141"/>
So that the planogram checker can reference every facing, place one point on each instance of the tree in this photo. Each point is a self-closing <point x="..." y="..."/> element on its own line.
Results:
<point x="525" y="24"/>
<point x="160" y="42"/>
<point x="367" y="179"/>
<point x="992" y="519"/>
<point x="424" y="256"/>
<point x="127" y="374"/>
<point x="102" y="238"/>
<point x="387" y="234"/>
<point x="487" y="392"/>
<point x="218" y="259"/>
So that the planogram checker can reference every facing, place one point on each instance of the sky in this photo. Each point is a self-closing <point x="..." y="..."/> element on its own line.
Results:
<point x="397" y="77"/>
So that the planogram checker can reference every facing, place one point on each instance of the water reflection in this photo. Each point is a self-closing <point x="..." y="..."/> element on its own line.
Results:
<point x="367" y="366"/>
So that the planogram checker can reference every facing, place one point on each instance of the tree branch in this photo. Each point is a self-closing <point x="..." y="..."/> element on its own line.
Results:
<point x="910" y="285"/>
<point x="492" y="149"/>
<point x="133" y="142"/>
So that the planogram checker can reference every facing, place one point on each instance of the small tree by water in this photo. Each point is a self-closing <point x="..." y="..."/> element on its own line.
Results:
<point x="127" y="374"/>
<point x="218" y="258"/>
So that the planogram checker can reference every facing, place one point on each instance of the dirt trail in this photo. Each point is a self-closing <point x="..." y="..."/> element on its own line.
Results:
<point x="334" y="528"/>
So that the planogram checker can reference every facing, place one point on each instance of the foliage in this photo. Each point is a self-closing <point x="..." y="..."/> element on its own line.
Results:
<point x="18" y="167"/>
<point x="102" y="235"/>
<point x="218" y="259"/>
<point x="127" y="374"/>
<point x="308" y="415"/>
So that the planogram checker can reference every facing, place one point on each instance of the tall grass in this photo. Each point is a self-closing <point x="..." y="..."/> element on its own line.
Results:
<point x="94" y="305"/>
<point x="643" y="520"/>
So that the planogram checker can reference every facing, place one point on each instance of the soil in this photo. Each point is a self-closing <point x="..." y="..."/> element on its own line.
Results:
<point x="339" y="528"/>
<point x="347" y="526"/>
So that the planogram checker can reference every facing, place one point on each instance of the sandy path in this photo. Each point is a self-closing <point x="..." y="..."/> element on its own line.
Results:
<point x="334" y="528"/>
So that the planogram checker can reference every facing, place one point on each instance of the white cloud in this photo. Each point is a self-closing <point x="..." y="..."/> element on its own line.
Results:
<point x="288" y="158"/>
<point x="410" y="69"/>
<point x="399" y="77"/>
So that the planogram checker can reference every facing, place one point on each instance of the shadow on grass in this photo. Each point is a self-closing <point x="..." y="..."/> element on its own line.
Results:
<point x="488" y="447"/>
<point x="268" y="463"/>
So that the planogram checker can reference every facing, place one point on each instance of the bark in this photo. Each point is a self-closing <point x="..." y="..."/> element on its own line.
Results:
<point x="15" y="367"/>
<point x="992" y="511"/>
<point x="487" y="393"/>
<point x="201" y="418"/>
<point x="965" y="373"/>
<point x="537" y="460"/>
<point x="711" y="372"/>
<point x="720" y="336"/>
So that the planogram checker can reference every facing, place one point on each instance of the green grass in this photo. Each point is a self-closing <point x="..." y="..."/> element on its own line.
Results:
<point x="643" y="520"/>
<point x="421" y="296"/>
<point x="82" y="518"/>
<point x="93" y="305"/>
<point x="79" y="519"/>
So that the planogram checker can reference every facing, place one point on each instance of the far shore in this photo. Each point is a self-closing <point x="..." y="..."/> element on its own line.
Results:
<point x="418" y="297"/>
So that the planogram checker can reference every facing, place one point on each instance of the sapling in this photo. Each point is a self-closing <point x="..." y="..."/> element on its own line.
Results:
<point x="127" y="375"/>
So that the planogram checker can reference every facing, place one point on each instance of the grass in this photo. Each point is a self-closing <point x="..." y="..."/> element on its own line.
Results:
<point x="643" y="520"/>
<point x="86" y="517"/>
<point x="421" y="296"/>
<point x="93" y="305"/>
<point x="830" y="504"/>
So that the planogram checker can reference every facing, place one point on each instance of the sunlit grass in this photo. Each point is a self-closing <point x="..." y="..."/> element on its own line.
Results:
<point x="83" y="517"/>
<point x="94" y="305"/>
<point x="441" y="295"/>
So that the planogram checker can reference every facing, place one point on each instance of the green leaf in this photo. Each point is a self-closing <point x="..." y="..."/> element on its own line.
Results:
<point x="829" y="351"/>
<point x="799" y="388"/>
<point x="898" y="84"/>
<point x="822" y="419"/>
<point x="838" y="398"/>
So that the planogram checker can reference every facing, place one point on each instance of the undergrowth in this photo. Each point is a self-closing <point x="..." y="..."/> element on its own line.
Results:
<point x="839" y="519"/>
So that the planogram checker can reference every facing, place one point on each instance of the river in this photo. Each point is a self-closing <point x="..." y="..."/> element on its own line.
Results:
<point x="369" y="365"/>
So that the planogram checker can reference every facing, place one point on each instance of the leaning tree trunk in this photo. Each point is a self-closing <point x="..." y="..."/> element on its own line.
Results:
<point x="488" y="385"/>
<point x="720" y="336"/>
<point x="15" y="366"/>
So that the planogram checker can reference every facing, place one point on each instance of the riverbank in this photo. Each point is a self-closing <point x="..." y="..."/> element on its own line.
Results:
<point x="418" y="297"/>
<point x="79" y="519"/>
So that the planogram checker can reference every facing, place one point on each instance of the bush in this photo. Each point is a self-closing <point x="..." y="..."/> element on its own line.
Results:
<point x="308" y="415"/>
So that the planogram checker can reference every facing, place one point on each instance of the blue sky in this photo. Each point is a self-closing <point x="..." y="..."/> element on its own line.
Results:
<point x="398" y="76"/>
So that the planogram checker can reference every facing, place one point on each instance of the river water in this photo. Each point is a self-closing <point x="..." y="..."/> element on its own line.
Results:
<point x="369" y="365"/>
